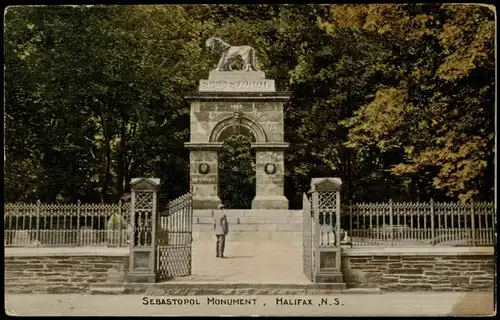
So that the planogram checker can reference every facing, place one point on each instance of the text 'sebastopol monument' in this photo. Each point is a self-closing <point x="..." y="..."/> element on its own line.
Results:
<point x="237" y="101"/>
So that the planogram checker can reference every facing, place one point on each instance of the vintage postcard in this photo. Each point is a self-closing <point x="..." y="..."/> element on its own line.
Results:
<point x="250" y="160"/>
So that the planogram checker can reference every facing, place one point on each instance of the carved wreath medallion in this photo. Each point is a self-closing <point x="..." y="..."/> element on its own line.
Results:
<point x="203" y="168"/>
<point x="270" y="168"/>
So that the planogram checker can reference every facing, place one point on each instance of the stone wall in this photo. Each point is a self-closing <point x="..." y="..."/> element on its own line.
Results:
<point x="420" y="269"/>
<point x="62" y="270"/>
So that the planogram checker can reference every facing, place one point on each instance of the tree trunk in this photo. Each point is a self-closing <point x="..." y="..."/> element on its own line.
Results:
<point x="130" y="165"/>
<point x="122" y="159"/>
<point x="414" y="190"/>
<point x="106" y="161"/>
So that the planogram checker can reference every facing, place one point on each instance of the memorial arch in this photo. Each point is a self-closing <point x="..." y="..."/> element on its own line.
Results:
<point x="247" y="103"/>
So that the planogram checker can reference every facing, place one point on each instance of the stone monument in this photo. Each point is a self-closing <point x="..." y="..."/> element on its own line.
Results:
<point x="241" y="101"/>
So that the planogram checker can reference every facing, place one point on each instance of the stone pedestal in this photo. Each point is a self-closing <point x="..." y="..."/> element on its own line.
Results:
<point x="270" y="176"/>
<point x="204" y="168"/>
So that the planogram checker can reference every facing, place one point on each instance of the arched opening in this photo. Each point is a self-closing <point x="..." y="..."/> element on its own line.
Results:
<point x="231" y="131"/>
<point x="237" y="169"/>
<point x="242" y="125"/>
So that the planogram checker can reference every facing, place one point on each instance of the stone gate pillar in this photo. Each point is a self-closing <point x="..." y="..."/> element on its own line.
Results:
<point x="204" y="174"/>
<point x="270" y="176"/>
<point x="142" y="245"/>
<point x="325" y="194"/>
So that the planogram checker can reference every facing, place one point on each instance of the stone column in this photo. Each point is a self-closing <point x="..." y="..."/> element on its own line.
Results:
<point x="204" y="174"/>
<point x="270" y="176"/>
<point x="142" y="245"/>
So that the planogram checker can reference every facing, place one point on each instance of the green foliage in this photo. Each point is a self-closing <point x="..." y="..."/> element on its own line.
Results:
<point x="396" y="100"/>
<point x="436" y="108"/>
<point x="98" y="97"/>
<point x="116" y="222"/>
<point x="236" y="173"/>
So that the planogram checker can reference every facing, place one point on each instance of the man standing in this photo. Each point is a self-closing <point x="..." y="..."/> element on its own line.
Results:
<point x="221" y="229"/>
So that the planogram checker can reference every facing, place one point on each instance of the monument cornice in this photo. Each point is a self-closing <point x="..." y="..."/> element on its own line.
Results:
<point x="270" y="145"/>
<point x="239" y="96"/>
<point x="203" y="145"/>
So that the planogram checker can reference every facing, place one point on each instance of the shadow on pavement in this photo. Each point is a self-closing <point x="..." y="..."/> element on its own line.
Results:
<point x="474" y="304"/>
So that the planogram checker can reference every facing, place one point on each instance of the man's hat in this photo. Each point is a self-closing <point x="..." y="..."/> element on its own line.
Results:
<point x="220" y="206"/>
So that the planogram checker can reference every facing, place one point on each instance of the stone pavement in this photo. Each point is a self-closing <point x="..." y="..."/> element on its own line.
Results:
<point x="248" y="262"/>
<point x="387" y="304"/>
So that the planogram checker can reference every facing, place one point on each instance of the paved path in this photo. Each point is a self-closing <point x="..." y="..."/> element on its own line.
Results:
<point x="248" y="262"/>
<point x="388" y="304"/>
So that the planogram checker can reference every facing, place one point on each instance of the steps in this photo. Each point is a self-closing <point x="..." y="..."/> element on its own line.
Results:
<point x="252" y="225"/>
<point x="246" y="213"/>
<point x="107" y="289"/>
<point x="179" y="288"/>
<point x="43" y="287"/>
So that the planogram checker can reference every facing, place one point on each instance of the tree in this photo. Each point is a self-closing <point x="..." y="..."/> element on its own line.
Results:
<point x="394" y="99"/>
<point x="436" y="109"/>
<point x="134" y="60"/>
<point x="237" y="172"/>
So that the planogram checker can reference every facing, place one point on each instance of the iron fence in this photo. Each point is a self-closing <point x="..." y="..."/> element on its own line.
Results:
<point x="419" y="224"/>
<point x="61" y="225"/>
<point x="367" y="224"/>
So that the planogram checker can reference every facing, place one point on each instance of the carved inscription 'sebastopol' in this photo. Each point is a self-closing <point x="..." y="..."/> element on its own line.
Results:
<point x="237" y="81"/>
<point x="265" y="85"/>
<point x="237" y="84"/>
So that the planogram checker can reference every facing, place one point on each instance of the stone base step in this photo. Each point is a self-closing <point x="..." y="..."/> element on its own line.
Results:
<point x="178" y="288"/>
<point x="251" y="236"/>
<point x="262" y="213"/>
<point x="329" y="277"/>
<point x="59" y="287"/>
<point x="252" y="227"/>
<point x="107" y="290"/>
<point x="251" y="220"/>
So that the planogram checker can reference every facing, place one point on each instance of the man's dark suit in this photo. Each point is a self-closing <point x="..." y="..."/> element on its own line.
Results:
<point x="220" y="230"/>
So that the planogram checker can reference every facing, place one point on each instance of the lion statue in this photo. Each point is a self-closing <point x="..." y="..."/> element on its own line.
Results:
<point x="232" y="53"/>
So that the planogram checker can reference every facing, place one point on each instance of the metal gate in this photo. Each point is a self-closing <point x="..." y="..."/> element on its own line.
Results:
<point x="174" y="237"/>
<point x="307" y="238"/>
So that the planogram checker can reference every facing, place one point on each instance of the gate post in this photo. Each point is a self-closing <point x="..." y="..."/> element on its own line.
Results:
<point x="144" y="203"/>
<point x="326" y="204"/>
